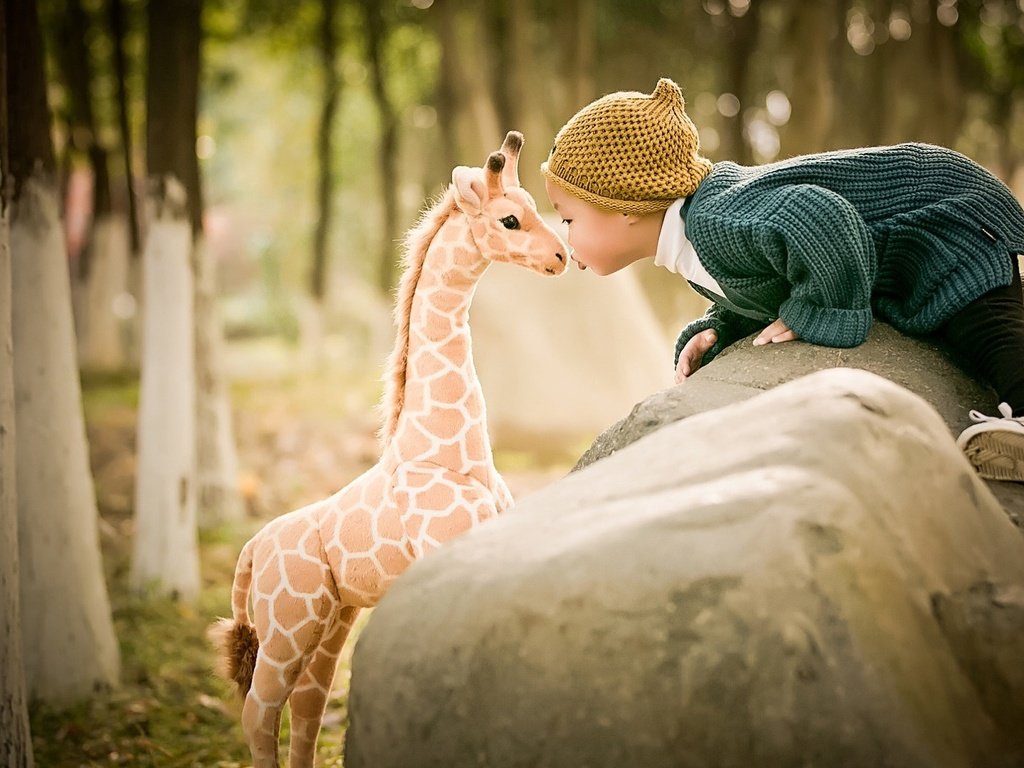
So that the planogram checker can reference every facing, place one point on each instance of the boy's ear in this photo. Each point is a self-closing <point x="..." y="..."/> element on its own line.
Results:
<point x="470" y="189"/>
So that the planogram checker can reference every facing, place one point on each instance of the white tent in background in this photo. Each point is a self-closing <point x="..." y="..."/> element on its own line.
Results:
<point x="561" y="359"/>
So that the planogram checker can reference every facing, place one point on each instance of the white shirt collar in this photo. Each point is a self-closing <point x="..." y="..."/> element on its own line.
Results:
<point x="677" y="254"/>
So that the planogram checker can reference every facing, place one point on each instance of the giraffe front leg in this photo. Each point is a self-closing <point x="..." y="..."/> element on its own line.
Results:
<point x="437" y="504"/>
<point x="503" y="496"/>
<point x="309" y="698"/>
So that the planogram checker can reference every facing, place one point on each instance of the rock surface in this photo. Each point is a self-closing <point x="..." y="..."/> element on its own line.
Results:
<point x="742" y="371"/>
<point x="736" y="590"/>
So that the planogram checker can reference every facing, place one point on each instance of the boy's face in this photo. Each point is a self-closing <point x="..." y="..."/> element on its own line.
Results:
<point x="601" y="240"/>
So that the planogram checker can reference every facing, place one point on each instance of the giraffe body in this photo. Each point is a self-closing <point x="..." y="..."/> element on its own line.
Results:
<point x="309" y="572"/>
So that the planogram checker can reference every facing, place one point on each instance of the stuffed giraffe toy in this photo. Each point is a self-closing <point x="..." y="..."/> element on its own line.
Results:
<point x="311" y="571"/>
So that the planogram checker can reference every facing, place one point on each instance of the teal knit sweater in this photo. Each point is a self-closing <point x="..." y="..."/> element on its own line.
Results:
<point x="909" y="233"/>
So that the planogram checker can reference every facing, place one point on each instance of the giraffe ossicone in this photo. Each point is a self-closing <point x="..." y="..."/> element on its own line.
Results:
<point x="309" y="572"/>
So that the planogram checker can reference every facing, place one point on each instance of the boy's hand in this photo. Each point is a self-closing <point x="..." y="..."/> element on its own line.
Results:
<point x="776" y="333"/>
<point x="693" y="353"/>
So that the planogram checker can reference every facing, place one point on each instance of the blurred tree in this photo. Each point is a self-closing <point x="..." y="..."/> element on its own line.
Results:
<point x="68" y="636"/>
<point x="518" y="76"/>
<point x="312" y="312"/>
<point x="743" y="33"/>
<point x="117" y="22"/>
<point x="467" y="110"/>
<point x="83" y="134"/>
<point x="16" y="741"/>
<point x="325" y="143"/>
<point x="577" y="21"/>
<point x="991" y="43"/>
<point x="376" y="28"/>
<point x="165" y="550"/>
<point x="810" y="35"/>
<point x="908" y="39"/>
<point x="102" y="274"/>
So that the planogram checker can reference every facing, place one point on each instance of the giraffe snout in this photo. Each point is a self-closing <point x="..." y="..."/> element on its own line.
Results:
<point x="556" y="268"/>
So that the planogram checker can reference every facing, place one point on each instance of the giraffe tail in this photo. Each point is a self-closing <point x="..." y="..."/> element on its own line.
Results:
<point x="235" y="639"/>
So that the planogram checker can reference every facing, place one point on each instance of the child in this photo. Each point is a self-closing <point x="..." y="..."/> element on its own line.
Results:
<point x="808" y="248"/>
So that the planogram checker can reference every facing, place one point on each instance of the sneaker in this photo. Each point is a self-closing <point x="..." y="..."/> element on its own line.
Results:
<point x="995" y="445"/>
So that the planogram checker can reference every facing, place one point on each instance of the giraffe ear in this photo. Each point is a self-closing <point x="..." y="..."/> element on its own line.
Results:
<point x="470" y="189"/>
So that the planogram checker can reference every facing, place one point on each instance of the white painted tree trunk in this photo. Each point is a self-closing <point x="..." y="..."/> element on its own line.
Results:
<point x="15" y="741"/>
<point x="103" y="333"/>
<point x="165" y="555"/>
<point x="68" y="635"/>
<point x="217" y="467"/>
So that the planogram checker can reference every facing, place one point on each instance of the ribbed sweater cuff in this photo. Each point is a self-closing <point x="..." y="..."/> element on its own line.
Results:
<point x="691" y="330"/>
<point x="827" y="326"/>
<point x="699" y="326"/>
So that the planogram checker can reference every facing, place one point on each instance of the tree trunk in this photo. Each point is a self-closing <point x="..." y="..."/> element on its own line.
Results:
<point x="217" y="459"/>
<point x="325" y="144"/>
<point x="102" y="271"/>
<point x="745" y="33"/>
<point x="117" y="34"/>
<point x="68" y="635"/>
<point x="218" y="497"/>
<point x="443" y="18"/>
<point x="15" y="739"/>
<point x="927" y="67"/>
<point x="579" y="26"/>
<point x="376" y="35"/>
<point x="1007" y="157"/>
<point x="101" y="342"/>
<point x="811" y="35"/>
<point x="132" y="312"/>
<point x="311" y="308"/>
<point x="522" y="76"/>
<point x="467" y="111"/>
<point x="165" y="552"/>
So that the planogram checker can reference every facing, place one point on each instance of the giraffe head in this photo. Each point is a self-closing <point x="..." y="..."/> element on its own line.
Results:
<point x="503" y="216"/>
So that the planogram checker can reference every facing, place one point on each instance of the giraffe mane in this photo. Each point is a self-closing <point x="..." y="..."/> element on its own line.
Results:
<point x="417" y="241"/>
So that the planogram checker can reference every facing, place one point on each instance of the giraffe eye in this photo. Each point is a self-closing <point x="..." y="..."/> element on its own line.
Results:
<point x="510" y="222"/>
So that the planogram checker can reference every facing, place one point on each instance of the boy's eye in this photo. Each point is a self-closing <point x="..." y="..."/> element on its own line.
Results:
<point x="510" y="222"/>
<point x="567" y="222"/>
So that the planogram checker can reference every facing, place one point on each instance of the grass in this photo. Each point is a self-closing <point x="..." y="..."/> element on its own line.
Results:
<point x="170" y="710"/>
<point x="300" y="437"/>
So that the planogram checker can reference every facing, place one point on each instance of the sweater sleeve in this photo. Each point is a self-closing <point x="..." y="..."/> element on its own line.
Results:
<point x="821" y="245"/>
<point x="730" y="327"/>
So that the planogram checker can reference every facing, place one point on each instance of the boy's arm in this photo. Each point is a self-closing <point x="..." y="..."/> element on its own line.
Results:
<point x="730" y="327"/>
<point x="820" y="244"/>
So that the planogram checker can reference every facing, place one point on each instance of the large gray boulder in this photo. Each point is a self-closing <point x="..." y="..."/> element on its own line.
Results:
<point x="812" y="577"/>
<point x="742" y="371"/>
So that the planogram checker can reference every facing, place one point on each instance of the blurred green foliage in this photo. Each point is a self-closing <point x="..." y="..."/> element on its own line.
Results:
<point x="762" y="78"/>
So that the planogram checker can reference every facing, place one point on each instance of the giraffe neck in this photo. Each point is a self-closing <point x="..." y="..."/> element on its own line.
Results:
<point x="443" y="418"/>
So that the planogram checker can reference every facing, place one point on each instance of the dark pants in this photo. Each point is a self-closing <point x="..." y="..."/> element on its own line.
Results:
<point x="988" y="334"/>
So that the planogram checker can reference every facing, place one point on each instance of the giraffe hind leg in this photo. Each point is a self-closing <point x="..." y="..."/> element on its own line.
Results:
<point x="309" y="698"/>
<point x="261" y="721"/>
<point x="292" y="633"/>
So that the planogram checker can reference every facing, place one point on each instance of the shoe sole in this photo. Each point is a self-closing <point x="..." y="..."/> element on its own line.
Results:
<point x="997" y="455"/>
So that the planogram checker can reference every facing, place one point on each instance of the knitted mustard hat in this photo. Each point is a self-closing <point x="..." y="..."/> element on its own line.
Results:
<point x="629" y="152"/>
